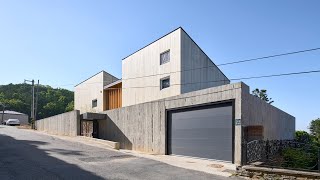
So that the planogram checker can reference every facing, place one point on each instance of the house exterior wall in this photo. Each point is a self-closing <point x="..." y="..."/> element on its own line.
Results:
<point x="142" y="70"/>
<point x="91" y="89"/>
<point x="146" y="62"/>
<point x="197" y="69"/>
<point x="23" y="118"/>
<point x="142" y="127"/>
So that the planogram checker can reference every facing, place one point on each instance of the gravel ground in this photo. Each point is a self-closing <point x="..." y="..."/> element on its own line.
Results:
<point x="28" y="155"/>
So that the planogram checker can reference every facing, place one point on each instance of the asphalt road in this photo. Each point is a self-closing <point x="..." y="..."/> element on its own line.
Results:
<point x="28" y="155"/>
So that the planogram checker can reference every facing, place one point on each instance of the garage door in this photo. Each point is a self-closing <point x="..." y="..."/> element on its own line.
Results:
<point x="205" y="132"/>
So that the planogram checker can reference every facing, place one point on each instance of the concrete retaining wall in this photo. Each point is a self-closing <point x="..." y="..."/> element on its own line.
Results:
<point x="66" y="124"/>
<point x="277" y="124"/>
<point x="142" y="127"/>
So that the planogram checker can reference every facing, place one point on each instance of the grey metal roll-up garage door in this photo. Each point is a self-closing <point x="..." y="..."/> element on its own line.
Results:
<point x="205" y="132"/>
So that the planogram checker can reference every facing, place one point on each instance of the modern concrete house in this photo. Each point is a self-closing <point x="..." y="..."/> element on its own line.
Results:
<point x="172" y="99"/>
<point x="23" y="118"/>
<point x="174" y="59"/>
<point x="91" y="94"/>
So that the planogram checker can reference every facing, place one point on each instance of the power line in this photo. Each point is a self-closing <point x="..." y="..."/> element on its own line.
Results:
<point x="233" y="79"/>
<point x="271" y="56"/>
<point x="276" y="75"/>
<point x="224" y="64"/>
<point x="230" y="63"/>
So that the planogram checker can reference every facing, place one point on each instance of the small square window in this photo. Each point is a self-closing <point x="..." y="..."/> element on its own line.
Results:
<point x="164" y="57"/>
<point x="94" y="103"/>
<point x="165" y="83"/>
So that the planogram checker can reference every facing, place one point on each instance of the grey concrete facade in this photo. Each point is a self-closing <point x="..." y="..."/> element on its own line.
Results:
<point x="92" y="89"/>
<point x="197" y="69"/>
<point x="276" y="123"/>
<point x="189" y="69"/>
<point x="143" y="127"/>
<point x="66" y="124"/>
<point x="23" y="118"/>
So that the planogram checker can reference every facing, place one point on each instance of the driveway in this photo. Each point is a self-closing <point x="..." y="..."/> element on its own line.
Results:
<point x="28" y="155"/>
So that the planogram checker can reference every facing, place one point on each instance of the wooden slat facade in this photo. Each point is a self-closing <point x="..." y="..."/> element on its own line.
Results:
<point x="113" y="97"/>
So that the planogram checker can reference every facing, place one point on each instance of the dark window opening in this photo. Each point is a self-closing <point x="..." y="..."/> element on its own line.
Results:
<point x="164" y="57"/>
<point x="94" y="103"/>
<point x="165" y="83"/>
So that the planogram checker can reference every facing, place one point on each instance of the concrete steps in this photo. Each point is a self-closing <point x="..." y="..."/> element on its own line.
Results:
<point x="108" y="144"/>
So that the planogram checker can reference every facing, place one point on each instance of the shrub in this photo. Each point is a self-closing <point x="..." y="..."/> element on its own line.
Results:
<point x="300" y="158"/>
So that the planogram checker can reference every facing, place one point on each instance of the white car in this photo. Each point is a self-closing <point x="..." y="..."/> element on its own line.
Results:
<point x="13" y="122"/>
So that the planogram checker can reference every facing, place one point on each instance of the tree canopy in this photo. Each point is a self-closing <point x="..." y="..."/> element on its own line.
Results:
<point x="315" y="128"/>
<point x="51" y="101"/>
<point x="262" y="94"/>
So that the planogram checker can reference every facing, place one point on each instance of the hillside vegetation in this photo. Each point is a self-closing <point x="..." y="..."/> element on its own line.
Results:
<point x="17" y="97"/>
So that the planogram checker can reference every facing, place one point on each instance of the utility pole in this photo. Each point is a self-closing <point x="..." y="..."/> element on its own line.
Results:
<point x="36" y="108"/>
<point x="32" y="114"/>
<point x="3" y="107"/>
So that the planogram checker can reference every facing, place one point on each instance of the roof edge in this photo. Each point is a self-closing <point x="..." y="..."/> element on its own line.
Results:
<point x="112" y="84"/>
<point x="95" y="75"/>
<point x="152" y="42"/>
<point x="204" y="53"/>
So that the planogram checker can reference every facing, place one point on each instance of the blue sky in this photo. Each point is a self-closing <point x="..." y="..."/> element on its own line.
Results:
<point x="63" y="42"/>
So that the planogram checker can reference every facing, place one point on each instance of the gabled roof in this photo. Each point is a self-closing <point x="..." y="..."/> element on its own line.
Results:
<point x="95" y="75"/>
<point x="189" y="38"/>
<point x="153" y="42"/>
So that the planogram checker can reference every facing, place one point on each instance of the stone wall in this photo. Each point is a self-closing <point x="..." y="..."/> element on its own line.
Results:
<point x="66" y="124"/>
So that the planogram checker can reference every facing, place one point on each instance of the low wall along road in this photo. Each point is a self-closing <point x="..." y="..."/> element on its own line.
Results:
<point x="66" y="124"/>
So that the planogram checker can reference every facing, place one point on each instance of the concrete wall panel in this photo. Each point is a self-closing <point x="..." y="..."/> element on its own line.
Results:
<point x="66" y="124"/>
<point x="146" y="62"/>
<point x="197" y="69"/>
<point x="276" y="123"/>
<point x="142" y="127"/>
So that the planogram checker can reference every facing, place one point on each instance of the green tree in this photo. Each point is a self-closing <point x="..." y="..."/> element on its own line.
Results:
<point x="314" y="128"/>
<point x="262" y="94"/>
<point x="303" y="137"/>
<point x="70" y="106"/>
<point x="52" y="101"/>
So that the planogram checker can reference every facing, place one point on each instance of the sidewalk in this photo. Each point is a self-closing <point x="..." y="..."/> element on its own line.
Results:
<point x="207" y="166"/>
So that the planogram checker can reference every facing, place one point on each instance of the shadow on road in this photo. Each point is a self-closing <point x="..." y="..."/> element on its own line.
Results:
<point x="22" y="159"/>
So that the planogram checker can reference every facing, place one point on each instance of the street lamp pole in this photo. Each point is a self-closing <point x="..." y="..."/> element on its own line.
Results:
<point x="3" y="107"/>
<point x="32" y="103"/>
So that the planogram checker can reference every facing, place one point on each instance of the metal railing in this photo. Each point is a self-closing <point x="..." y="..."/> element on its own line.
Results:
<point x="288" y="154"/>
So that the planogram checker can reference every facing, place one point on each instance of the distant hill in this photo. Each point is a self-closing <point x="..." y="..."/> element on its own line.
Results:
<point x="51" y="101"/>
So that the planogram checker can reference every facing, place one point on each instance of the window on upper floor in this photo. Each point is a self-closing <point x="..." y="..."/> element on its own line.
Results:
<point x="94" y="103"/>
<point x="164" y="82"/>
<point x="165" y="57"/>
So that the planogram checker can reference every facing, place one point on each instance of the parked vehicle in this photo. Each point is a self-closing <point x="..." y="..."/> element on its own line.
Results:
<point x="13" y="122"/>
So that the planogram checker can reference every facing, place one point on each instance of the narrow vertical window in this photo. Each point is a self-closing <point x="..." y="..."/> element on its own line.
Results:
<point x="164" y="57"/>
<point x="164" y="83"/>
<point x="94" y="103"/>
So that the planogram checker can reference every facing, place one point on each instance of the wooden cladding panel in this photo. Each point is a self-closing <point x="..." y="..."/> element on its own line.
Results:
<point x="114" y="97"/>
<point x="254" y="133"/>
